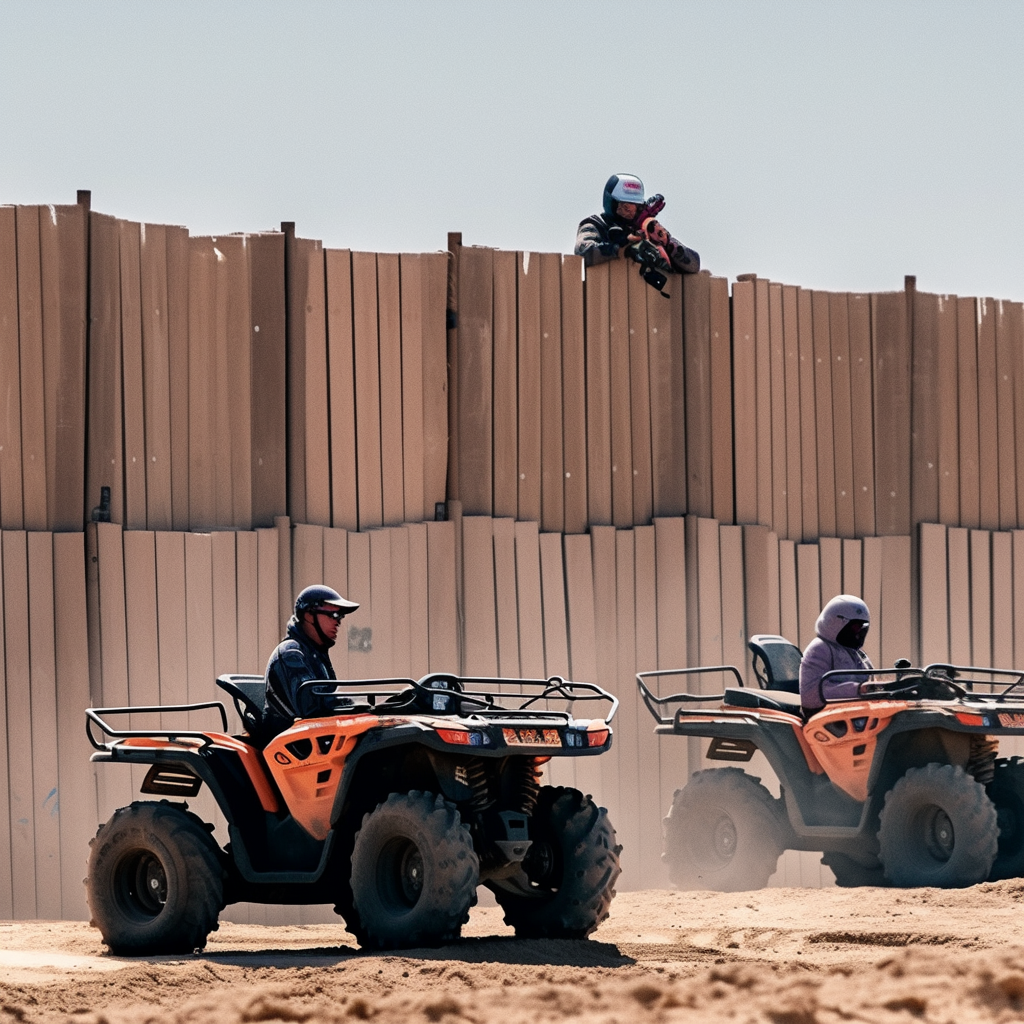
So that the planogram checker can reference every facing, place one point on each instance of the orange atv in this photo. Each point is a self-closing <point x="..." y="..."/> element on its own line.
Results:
<point x="393" y="804"/>
<point x="897" y="786"/>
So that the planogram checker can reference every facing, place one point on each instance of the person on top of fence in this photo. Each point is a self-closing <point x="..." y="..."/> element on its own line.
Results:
<point x="303" y="656"/>
<point x="841" y="629"/>
<point x="629" y="227"/>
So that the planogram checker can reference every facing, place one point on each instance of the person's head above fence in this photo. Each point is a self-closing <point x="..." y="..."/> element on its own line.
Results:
<point x="623" y="196"/>
<point x="845" y="621"/>
<point x="319" y="610"/>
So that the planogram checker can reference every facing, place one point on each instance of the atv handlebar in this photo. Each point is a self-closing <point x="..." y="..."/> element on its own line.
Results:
<point x="679" y="698"/>
<point x="95" y="716"/>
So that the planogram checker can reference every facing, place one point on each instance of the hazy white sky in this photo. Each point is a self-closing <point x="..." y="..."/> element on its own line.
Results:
<point x="827" y="144"/>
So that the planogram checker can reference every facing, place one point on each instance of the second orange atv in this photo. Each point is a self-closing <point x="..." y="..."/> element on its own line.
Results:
<point x="393" y="804"/>
<point x="900" y="785"/>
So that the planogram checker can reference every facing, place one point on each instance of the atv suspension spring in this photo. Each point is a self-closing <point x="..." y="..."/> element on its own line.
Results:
<point x="981" y="762"/>
<point x="476" y="779"/>
<point x="527" y="784"/>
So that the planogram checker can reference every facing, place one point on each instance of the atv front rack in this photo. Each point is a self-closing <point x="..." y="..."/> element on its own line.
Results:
<point x="440" y="693"/>
<point x="655" y="704"/>
<point x="94" y="716"/>
<point x="903" y="682"/>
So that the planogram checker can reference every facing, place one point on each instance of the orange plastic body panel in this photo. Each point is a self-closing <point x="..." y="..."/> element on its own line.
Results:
<point x="847" y="758"/>
<point x="249" y="757"/>
<point x="309" y="785"/>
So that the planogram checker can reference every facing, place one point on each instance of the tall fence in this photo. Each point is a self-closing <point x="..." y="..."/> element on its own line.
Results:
<point x="514" y="467"/>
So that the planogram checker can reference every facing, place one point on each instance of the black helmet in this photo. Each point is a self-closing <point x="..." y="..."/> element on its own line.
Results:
<point x="318" y="595"/>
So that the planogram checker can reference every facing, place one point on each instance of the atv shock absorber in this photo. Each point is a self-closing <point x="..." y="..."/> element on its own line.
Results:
<point x="527" y="784"/>
<point x="476" y="779"/>
<point x="981" y="762"/>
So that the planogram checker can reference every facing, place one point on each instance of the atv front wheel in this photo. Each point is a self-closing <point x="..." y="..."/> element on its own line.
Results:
<point x="724" y="832"/>
<point x="937" y="828"/>
<point x="1006" y="791"/>
<point x="414" y="873"/>
<point x="155" y="882"/>
<point x="566" y="882"/>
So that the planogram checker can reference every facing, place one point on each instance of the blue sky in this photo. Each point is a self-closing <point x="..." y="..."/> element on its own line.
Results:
<point x="827" y="144"/>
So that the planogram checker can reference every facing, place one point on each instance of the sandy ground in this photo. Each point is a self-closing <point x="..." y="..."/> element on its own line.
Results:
<point x="785" y="956"/>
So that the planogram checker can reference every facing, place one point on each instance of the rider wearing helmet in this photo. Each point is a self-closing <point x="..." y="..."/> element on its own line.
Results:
<point x="841" y="628"/>
<point x="303" y="655"/>
<point x="607" y="235"/>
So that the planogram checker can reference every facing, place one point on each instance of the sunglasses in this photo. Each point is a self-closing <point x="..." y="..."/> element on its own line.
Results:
<point x="331" y="613"/>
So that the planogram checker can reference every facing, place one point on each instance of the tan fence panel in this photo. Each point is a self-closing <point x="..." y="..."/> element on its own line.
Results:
<point x="697" y="388"/>
<point x="668" y="410"/>
<point x="640" y="399"/>
<point x="809" y="594"/>
<point x="561" y="770"/>
<point x="529" y="388"/>
<point x="988" y="418"/>
<point x="763" y="376"/>
<point x="599" y="400"/>
<point x="506" y="393"/>
<point x="178" y="303"/>
<point x="335" y="574"/>
<point x="434" y="267"/>
<point x="808" y="417"/>
<point x="480" y="643"/>
<point x="842" y="419"/>
<point x="897" y="632"/>
<point x="981" y="597"/>
<point x="528" y="588"/>
<point x="1018" y="597"/>
<point x="381" y="601"/>
<point x="618" y="363"/>
<point x="307" y="308"/>
<point x="925" y="409"/>
<point x="76" y="785"/>
<point x="133" y="382"/>
<point x="475" y="356"/>
<point x="171" y="608"/>
<point x="947" y="399"/>
<point x="1014" y="321"/>
<point x="734" y="626"/>
<point x="789" y="621"/>
<point x="744" y="401"/>
<point x="823" y="413"/>
<point x="341" y="389"/>
<point x="574" y="397"/>
<point x="1002" y="599"/>
<point x="12" y="513"/>
<point x="19" y="724"/>
<point x="861" y="414"/>
<point x="411" y="406"/>
<point x="777" y="392"/>
<point x="367" y="388"/>
<point x="602" y="546"/>
<point x="389" y="326"/>
<point x="1007" y="381"/>
<point x="853" y="567"/>
<point x="871" y="593"/>
<point x="967" y="391"/>
<point x="893" y="384"/>
<point x="627" y="811"/>
<point x="441" y="605"/>
<point x="362" y="659"/>
<point x="552" y="488"/>
<point x="401" y="622"/>
<point x="722" y="488"/>
<point x="830" y="561"/>
<point x="202" y="376"/>
<point x="251" y="657"/>
<point x="933" y="589"/>
<point x="33" y="404"/>
<point x="794" y="413"/>
<point x="507" y="611"/>
<point x="419" y="626"/>
<point x="959" y="580"/>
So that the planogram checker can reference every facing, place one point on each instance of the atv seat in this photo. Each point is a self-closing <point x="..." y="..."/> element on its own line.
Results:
<point x="776" y="663"/>
<point x="248" y="693"/>
<point x="772" y="700"/>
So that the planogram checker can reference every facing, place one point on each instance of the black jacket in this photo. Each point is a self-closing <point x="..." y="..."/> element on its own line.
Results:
<point x="599" y="240"/>
<point x="295" y="660"/>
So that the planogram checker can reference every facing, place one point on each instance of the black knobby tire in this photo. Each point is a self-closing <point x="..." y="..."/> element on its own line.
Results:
<point x="1006" y="791"/>
<point x="156" y="880"/>
<point x="566" y="883"/>
<point x="724" y="832"/>
<point x="937" y="828"/>
<point x="414" y="873"/>
<point x="850" y="873"/>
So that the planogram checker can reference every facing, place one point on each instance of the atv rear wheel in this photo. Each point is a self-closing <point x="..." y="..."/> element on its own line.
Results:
<point x="1006" y="791"/>
<point x="724" y="832"/>
<point x="414" y="873"/>
<point x="566" y="883"/>
<point x="155" y="882"/>
<point x="937" y="828"/>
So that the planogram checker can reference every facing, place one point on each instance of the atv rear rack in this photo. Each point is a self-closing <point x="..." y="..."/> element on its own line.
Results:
<point x="655" y="704"/>
<point x="95" y="716"/>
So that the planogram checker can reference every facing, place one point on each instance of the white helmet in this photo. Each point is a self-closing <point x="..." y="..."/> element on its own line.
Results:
<point x="622" y="188"/>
